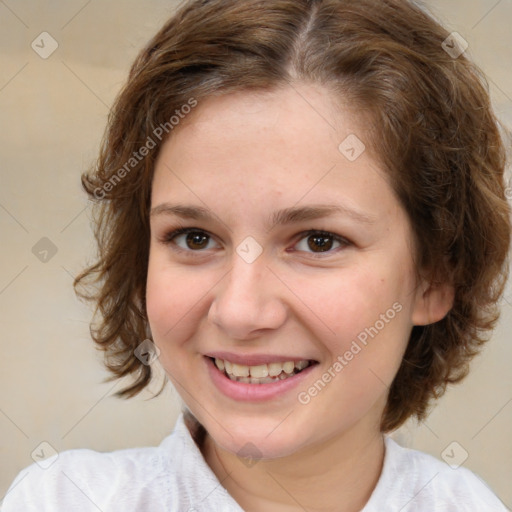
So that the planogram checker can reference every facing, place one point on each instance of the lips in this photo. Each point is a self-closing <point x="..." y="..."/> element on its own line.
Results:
<point x="262" y="373"/>
<point x="255" y="389"/>
<point x="256" y="359"/>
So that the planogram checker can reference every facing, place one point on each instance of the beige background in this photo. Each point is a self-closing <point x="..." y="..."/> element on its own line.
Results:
<point x="53" y="112"/>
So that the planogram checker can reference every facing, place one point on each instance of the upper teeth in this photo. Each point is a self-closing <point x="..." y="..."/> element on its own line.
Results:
<point x="260" y="371"/>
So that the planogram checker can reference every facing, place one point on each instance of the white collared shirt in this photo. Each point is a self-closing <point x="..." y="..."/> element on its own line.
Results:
<point x="174" y="477"/>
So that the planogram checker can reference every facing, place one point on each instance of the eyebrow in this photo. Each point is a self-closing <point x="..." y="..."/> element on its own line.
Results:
<point x="280" y="217"/>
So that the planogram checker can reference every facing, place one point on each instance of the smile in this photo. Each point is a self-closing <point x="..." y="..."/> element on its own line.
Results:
<point x="262" y="373"/>
<point x="266" y="378"/>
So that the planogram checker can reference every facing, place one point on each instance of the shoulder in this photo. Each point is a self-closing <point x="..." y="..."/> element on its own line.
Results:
<point x="416" y="481"/>
<point x="172" y="476"/>
<point x="88" y="480"/>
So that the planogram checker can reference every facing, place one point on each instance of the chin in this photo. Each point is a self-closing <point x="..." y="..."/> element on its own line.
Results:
<point x="257" y="439"/>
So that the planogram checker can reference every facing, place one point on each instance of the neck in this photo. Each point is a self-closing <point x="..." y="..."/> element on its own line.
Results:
<point x="338" y="474"/>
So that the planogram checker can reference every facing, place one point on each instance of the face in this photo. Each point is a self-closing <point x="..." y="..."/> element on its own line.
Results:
<point x="267" y="279"/>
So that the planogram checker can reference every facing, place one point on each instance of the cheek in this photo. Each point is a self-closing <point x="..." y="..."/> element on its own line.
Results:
<point x="351" y="301"/>
<point x="367" y="316"/>
<point x="172" y="296"/>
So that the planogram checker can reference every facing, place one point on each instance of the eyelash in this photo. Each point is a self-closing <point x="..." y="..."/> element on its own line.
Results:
<point x="168" y="239"/>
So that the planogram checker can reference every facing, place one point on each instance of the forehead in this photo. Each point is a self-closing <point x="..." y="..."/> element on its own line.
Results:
<point x="282" y="118"/>
<point x="280" y="146"/>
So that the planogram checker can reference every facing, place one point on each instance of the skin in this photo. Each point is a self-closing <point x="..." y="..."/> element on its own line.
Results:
<point x="243" y="156"/>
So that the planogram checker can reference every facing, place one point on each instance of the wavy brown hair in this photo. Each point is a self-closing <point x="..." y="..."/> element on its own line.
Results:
<point x="432" y="128"/>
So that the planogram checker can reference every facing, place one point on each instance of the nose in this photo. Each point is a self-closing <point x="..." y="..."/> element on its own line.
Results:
<point x="248" y="300"/>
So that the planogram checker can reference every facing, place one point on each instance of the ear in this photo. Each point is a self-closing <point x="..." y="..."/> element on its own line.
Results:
<point x="432" y="302"/>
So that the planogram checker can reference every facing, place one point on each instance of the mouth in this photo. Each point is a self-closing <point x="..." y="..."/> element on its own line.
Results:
<point x="261" y="374"/>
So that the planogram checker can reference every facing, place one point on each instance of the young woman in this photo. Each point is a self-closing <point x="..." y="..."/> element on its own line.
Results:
<point x="301" y="204"/>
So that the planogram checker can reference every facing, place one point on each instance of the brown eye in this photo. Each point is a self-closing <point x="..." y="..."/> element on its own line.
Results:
<point x="188" y="239"/>
<point x="321" y="242"/>
<point x="317" y="242"/>
<point x="196" y="240"/>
